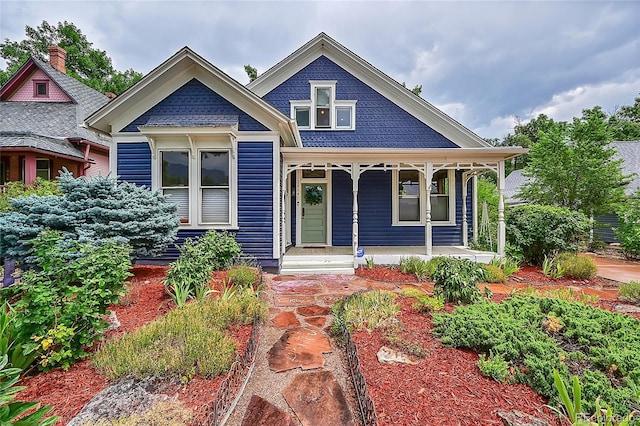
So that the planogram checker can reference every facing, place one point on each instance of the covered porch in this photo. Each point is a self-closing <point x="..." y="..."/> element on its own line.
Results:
<point x="373" y="179"/>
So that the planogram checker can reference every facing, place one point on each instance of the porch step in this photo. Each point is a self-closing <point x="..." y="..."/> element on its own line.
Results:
<point x="317" y="265"/>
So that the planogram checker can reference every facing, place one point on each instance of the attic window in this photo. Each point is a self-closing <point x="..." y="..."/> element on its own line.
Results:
<point x="41" y="88"/>
<point x="322" y="111"/>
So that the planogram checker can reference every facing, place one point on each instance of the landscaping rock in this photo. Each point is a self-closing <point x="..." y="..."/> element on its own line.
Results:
<point x="113" y="321"/>
<point x="122" y="399"/>
<point x="317" y="399"/>
<point x="627" y="308"/>
<point x="261" y="412"/>
<point x="316" y="321"/>
<point x="313" y="311"/>
<point x="391" y="356"/>
<point x="299" y="347"/>
<point x="518" y="418"/>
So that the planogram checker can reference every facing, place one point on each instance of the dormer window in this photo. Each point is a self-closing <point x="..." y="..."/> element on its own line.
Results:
<point x="41" y="88"/>
<point x="323" y="111"/>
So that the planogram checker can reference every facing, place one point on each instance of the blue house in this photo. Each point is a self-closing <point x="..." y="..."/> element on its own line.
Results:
<point x="319" y="157"/>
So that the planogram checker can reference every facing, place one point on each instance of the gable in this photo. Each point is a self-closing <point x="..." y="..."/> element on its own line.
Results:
<point x="187" y="106"/>
<point x="26" y="92"/>
<point x="379" y="122"/>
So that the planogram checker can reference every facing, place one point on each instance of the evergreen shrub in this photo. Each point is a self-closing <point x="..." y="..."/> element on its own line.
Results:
<point x="538" y="231"/>
<point x="91" y="209"/>
<point x="456" y="280"/>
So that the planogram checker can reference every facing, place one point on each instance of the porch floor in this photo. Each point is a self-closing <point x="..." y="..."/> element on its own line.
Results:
<point x="389" y="255"/>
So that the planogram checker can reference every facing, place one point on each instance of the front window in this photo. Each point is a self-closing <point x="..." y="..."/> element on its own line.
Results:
<point x="440" y="196"/>
<point x="175" y="180"/>
<point x="409" y="189"/>
<point x="214" y="186"/>
<point x="410" y="193"/>
<point x="43" y="168"/>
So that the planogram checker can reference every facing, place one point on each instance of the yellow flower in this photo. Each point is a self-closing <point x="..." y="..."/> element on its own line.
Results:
<point x="46" y="343"/>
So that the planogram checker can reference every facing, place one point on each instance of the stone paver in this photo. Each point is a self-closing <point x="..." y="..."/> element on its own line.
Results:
<point x="286" y="319"/>
<point x="262" y="413"/>
<point x="299" y="347"/>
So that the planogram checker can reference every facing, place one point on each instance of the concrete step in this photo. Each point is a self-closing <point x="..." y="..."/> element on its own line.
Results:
<point x="318" y="271"/>
<point x="314" y="265"/>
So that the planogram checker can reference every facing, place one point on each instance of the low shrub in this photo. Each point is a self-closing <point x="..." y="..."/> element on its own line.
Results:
<point x="416" y="266"/>
<point x="455" y="280"/>
<point x="412" y="292"/>
<point x="243" y="276"/>
<point x="494" y="366"/>
<point x="428" y="304"/>
<point x="573" y="265"/>
<point x="365" y="311"/>
<point x="538" y="231"/>
<point x="433" y="263"/>
<point x="538" y="335"/>
<point x="494" y="274"/>
<point x="630" y="291"/>
<point x="508" y="265"/>
<point x="187" y="341"/>
<point x="61" y="307"/>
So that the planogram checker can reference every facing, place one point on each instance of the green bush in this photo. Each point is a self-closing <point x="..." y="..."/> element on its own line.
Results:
<point x="91" y="209"/>
<point x="365" y="311"/>
<point x="630" y="291"/>
<point x="433" y="263"/>
<point x="455" y="280"/>
<point x="10" y="410"/>
<point x="416" y="266"/>
<point x="243" y="276"/>
<point x="428" y="304"/>
<point x="61" y="307"/>
<point x="539" y="231"/>
<point x="19" y="189"/>
<point x="628" y="232"/>
<point x="198" y="258"/>
<point x="494" y="366"/>
<point x="517" y="330"/>
<point x="493" y="274"/>
<point x="10" y="343"/>
<point x="573" y="265"/>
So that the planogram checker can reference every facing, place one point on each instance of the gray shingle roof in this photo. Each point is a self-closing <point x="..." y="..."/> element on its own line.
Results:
<point x="512" y="184"/>
<point x="39" y="142"/>
<point x="200" y="120"/>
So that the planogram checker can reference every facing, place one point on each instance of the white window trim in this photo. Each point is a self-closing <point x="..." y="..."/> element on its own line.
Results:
<point x="333" y="105"/>
<point x="194" y="147"/>
<point x="395" y="211"/>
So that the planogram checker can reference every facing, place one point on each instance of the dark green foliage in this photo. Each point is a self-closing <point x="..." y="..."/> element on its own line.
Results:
<point x="11" y="410"/>
<point x="10" y="343"/>
<point x="61" y="307"/>
<point x="90" y="210"/>
<point x="574" y="265"/>
<point x="455" y="280"/>
<point x="84" y="63"/>
<point x="198" y="259"/>
<point x="538" y="231"/>
<point x="494" y="366"/>
<point x="19" y="189"/>
<point x="628" y="232"/>
<point x="517" y="330"/>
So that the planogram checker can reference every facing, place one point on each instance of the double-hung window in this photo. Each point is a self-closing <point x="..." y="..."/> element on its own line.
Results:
<point x="323" y="111"/>
<point x="409" y="195"/>
<point x="198" y="173"/>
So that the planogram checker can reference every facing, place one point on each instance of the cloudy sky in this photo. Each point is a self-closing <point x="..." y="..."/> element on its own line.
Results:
<point x="484" y="63"/>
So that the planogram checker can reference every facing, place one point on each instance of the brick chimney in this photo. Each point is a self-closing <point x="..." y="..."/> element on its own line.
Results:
<point x="57" y="58"/>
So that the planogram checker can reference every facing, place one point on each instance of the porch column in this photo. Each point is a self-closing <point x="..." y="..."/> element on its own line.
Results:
<point x="29" y="169"/>
<point x="474" y="208"/>
<point x="501" y="225"/>
<point x="284" y="206"/>
<point x="355" y="178"/>
<point x="465" y="225"/>
<point x="428" y="237"/>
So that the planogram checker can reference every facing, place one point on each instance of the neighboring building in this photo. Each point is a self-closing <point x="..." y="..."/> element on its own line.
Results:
<point x="628" y="151"/>
<point x="321" y="155"/>
<point x="42" y="111"/>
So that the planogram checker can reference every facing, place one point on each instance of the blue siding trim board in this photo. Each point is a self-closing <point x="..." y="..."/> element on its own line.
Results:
<point x="193" y="99"/>
<point x="379" y="122"/>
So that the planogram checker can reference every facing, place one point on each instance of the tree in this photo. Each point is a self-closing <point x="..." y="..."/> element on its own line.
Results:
<point x="417" y="89"/>
<point x="252" y="72"/>
<point x="624" y="123"/>
<point x="574" y="167"/>
<point x="89" y="65"/>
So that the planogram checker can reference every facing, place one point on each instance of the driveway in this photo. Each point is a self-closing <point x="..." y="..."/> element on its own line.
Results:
<point x="616" y="269"/>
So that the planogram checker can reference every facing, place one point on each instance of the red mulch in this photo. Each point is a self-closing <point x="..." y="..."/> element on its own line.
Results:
<point x="445" y="388"/>
<point x="533" y="275"/>
<point x="384" y="273"/>
<point x="69" y="391"/>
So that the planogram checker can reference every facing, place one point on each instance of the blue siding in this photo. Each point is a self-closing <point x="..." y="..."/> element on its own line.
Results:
<point x="193" y="99"/>
<point x="134" y="163"/>
<point x="379" y="122"/>
<point x="255" y="198"/>
<point x="375" y="214"/>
